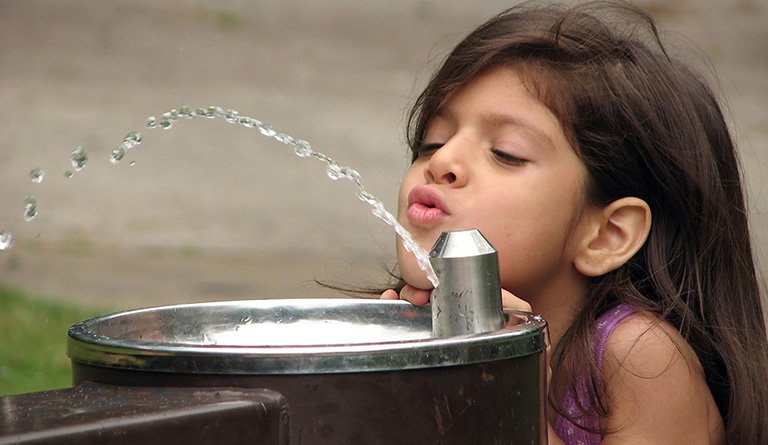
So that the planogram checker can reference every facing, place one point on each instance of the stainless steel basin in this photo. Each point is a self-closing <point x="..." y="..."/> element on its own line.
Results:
<point x="351" y="370"/>
<point x="291" y="337"/>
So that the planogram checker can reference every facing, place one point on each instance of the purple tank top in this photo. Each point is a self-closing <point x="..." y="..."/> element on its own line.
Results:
<point x="570" y="433"/>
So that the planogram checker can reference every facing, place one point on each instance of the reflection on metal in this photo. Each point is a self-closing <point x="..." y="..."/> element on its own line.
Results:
<point x="468" y="299"/>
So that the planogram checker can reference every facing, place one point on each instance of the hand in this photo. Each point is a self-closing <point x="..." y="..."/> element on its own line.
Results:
<point x="510" y="301"/>
<point x="409" y="293"/>
<point x="421" y="296"/>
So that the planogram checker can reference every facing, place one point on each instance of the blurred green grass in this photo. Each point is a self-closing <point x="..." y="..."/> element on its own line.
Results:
<point x="33" y="339"/>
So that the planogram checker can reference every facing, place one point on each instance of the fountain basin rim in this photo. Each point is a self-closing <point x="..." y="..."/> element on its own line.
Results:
<point x="213" y="338"/>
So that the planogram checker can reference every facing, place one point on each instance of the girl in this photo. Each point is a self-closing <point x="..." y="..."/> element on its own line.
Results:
<point x="604" y="174"/>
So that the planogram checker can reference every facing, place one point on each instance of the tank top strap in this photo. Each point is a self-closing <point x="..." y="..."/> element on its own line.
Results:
<point x="570" y="433"/>
<point x="605" y="326"/>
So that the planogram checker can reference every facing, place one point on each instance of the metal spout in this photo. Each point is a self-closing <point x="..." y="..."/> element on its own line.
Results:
<point x="468" y="298"/>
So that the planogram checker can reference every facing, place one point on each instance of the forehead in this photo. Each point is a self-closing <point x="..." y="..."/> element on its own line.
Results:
<point x="501" y="97"/>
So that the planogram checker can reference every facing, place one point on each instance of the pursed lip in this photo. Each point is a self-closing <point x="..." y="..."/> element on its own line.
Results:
<point x="426" y="206"/>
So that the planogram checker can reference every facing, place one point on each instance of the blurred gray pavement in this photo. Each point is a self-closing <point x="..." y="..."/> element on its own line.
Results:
<point x="212" y="211"/>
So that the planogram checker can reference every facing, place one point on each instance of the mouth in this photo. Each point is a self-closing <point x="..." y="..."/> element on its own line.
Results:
<point x="426" y="207"/>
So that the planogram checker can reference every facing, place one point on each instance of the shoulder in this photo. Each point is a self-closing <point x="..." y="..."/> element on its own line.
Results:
<point x="646" y="345"/>
<point x="655" y="386"/>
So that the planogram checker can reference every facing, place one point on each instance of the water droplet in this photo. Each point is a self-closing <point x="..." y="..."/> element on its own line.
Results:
<point x="248" y="122"/>
<point x="132" y="163"/>
<point x="383" y="214"/>
<point x="367" y="197"/>
<point x="173" y="114"/>
<point x="165" y="123"/>
<point x="37" y="175"/>
<point x="6" y="240"/>
<point x="214" y="112"/>
<point x="30" y="208"/>
<point x="151" y="122"/>
<point x="117" y="155"/>
<point x="334" y="171"/>
<point x="69" y="174"/>
<point x="131" y="140"/>
<point x="133" y="136"/>
<point x="187" y="112"/>
<point x="79" y="158"/>
<point x="302" y="148"/>
<point x="232" y="116"/>
<point x="266" y="130"/>
<point x="284" y="138"/>
<point x="352" y="175"/>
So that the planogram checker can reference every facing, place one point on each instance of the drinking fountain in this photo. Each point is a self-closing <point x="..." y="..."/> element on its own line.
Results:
<point x="461" y="370"/>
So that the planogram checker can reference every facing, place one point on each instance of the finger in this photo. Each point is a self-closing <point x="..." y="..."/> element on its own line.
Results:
<point x="510" y="301"/>
<point x="389" y="294"/>
<point x="415" y="295"/>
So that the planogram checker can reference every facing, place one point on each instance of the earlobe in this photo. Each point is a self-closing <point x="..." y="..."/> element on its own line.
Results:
<point x="617" y="232"/>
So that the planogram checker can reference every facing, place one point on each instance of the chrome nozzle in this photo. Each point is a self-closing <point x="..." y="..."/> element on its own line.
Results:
<point x="468" y="298"/>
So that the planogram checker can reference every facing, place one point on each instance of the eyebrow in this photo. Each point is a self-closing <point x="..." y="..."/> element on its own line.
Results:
<point x="514" y="121"/>
<point x="503" y="119"/>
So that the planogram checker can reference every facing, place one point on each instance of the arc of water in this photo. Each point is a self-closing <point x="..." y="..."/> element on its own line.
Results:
<point x="302" y="149"/>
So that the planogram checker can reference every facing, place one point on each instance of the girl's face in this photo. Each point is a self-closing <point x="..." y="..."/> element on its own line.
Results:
<point x="496" y="159"/>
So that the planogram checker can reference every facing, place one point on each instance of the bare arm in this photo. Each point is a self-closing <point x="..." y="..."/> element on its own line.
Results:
<point x="656" y="389"/>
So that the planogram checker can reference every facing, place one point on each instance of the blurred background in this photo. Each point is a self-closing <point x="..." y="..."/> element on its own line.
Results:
<point x="208" y="210"/>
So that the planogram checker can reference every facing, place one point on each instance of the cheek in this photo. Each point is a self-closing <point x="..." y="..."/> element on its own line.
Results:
<point x="533" y="252"/>
<point x="409" y="268"/>
<point x="526" y="265"/>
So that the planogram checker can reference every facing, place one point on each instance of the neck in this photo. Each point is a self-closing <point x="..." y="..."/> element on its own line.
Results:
<point x="558" y="318"/>
<point x="561" y="311"/>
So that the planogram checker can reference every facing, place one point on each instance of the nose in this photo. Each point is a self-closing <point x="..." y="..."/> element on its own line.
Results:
<point x="448" y="165"/>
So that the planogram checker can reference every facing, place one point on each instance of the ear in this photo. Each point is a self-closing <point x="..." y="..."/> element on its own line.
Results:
<point x="616" y="232"/>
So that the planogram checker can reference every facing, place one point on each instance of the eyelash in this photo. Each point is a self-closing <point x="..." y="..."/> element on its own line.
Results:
<point x="427" y="149"/>
<point x="506" y="158"/>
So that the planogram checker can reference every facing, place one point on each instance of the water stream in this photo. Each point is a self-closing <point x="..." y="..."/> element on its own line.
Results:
<point x="302" y="148"/>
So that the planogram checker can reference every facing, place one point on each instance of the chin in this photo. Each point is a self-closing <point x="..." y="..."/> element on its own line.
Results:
<point x="412" y="275"/>
<point x="421" y="282"/>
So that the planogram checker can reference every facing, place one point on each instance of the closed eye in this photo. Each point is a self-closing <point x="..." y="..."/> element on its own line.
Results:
<point x="507" y="158"/>
<point x="427" y="149"/>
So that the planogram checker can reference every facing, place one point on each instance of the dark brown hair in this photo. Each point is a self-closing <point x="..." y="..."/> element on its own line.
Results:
<point x="647" y="126"/>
